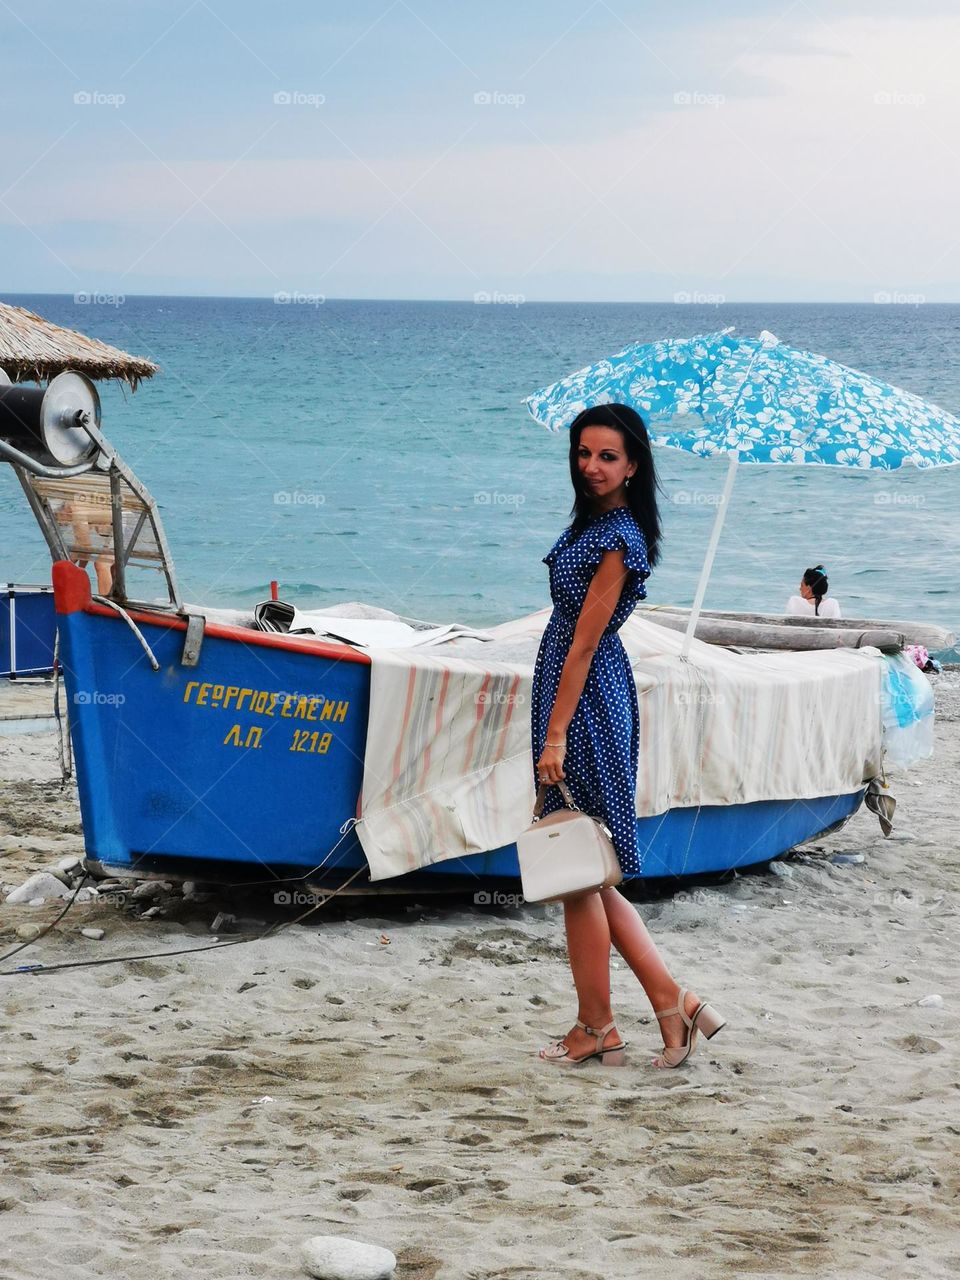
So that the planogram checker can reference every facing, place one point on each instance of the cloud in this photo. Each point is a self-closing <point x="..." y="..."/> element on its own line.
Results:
<point x="820" y="152"/>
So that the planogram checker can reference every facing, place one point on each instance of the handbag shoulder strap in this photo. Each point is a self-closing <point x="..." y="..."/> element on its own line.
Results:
<point x="568" y="799"/>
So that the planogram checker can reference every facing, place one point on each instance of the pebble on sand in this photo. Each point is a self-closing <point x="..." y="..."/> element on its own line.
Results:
<point x="95" y="934"/>
<point x="336" y="1258"/>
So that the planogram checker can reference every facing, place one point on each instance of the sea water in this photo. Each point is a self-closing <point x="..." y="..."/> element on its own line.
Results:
<point x="380" y="451"/>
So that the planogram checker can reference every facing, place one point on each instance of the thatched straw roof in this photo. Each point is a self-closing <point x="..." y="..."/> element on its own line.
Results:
<point x="32" y="348"/>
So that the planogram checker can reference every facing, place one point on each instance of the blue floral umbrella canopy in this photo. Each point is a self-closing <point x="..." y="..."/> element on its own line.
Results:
<point x="758" y="401"/>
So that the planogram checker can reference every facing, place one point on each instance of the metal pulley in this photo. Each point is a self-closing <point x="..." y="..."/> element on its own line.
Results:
<point x="47" y="423"/>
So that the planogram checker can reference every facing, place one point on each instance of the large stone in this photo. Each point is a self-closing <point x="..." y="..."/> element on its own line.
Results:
<point x="151" y="889"/>
<point x="336" y="1258"/>
<point x="40" y="886"/>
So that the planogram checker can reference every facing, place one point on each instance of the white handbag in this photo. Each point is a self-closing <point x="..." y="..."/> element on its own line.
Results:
<point x="566" y="853"/>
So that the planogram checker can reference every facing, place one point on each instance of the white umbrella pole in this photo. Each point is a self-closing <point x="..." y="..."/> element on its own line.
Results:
<point x="711" y="552"/>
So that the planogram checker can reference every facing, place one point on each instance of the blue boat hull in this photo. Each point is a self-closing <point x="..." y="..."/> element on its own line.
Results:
<point x="247" y="766"/>
<point x="28" y="629"/>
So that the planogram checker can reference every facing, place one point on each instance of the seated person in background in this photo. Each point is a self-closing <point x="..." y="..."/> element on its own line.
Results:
<point x="810" y="602"/>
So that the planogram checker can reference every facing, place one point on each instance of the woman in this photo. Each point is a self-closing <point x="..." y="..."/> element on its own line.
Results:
<point x="585" y="723"/>
<point x="810" y="601"/>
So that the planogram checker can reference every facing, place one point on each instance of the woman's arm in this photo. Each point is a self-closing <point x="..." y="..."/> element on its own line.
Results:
<point x="601" y="600"/>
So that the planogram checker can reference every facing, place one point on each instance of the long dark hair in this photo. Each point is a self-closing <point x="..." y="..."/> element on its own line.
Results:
<point x="816" y="580"/>
<point x="643" y="486"/>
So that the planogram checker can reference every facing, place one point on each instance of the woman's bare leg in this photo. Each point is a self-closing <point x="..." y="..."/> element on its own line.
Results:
<point x="629" y="935"/>
<point x="588" y="948"/>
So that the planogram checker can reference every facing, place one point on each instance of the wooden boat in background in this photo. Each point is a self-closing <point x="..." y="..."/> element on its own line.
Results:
<point x="773" y="631"/>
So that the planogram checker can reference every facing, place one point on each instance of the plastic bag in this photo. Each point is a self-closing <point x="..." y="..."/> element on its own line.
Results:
<point x="906" y="709"/>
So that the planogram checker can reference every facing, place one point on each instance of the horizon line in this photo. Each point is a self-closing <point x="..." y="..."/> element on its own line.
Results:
<point x="297" y="297"/>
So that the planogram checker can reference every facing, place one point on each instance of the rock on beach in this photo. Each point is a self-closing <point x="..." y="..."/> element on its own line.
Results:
<point x="336" y="1258"/>
<point x="38" y="887"/>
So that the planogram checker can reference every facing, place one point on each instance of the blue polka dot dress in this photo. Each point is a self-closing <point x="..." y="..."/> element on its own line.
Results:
<point x="603" y="737"/>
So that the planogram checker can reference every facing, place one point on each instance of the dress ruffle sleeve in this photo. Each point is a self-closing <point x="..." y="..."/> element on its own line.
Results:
<point x="619" y="534"/>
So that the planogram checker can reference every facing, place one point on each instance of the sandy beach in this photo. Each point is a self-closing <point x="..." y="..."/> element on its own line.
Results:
<point x="373" y="1073"/>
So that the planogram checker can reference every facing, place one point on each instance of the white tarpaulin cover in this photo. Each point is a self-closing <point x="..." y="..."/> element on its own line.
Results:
<point x="448" y="768"/>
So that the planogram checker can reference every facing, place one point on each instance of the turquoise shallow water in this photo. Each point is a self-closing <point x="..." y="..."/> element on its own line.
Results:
<point x="380" y="451"/>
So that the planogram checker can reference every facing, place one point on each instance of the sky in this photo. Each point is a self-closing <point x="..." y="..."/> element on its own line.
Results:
<point x="565" y="150"/>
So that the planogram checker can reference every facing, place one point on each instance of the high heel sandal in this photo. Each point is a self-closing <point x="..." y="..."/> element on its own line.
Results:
<point x="704" y="1018"/>
<point x="611" y="1056"/>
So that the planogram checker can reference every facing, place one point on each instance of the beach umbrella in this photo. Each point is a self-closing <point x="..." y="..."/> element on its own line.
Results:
<point x="759" y="401"/>
<point x="33" y="349"/>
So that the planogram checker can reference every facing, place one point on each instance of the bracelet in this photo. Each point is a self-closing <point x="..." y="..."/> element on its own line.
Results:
<point x="556" y="744"/>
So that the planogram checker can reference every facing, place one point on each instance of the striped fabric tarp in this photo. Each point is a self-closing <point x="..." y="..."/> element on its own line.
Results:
<point x="448" y="772"/>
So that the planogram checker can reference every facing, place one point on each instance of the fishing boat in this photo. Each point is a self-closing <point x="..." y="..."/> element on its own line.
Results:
<point x="208" y="749"/>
